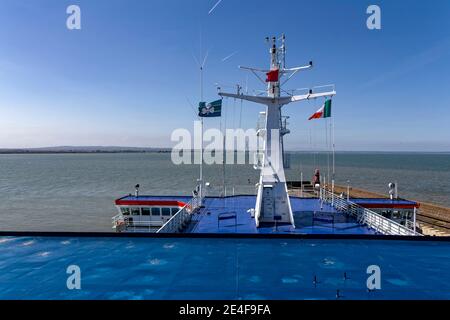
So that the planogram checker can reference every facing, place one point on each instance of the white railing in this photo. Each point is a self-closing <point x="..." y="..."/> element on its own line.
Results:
<point x="117" y="218"/>
<point x="181" y="219"/>
<point x="258" y="160"/>
<point x="123" y="224"/>
<point x="365" y="216"/>
<point x="194" y="203"/>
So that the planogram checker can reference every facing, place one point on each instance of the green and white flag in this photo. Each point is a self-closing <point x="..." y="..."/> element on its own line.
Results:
<point x="210" y="110"/>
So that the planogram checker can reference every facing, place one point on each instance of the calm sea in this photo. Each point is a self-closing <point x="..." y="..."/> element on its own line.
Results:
<point x="76" y="192"/>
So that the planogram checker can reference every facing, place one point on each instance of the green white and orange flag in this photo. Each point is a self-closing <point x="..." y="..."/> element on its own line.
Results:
<point x="323" y="112"/>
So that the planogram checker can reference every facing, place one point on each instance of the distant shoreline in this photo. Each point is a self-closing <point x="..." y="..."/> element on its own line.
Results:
<point x="107" y="150"/>
<point x="82" y="152"/>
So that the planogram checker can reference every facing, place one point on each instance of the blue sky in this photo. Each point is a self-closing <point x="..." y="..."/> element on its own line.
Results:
<point x="126" y="77"/>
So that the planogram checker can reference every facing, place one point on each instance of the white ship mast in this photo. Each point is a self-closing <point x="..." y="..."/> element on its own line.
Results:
<point x="272" y="202"/>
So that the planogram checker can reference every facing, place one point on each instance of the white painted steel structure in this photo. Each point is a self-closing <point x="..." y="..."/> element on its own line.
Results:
<point x="272" y="202"/>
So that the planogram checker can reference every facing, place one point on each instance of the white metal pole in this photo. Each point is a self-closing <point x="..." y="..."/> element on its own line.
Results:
<point x="333" y="153"/>
<point x="201" y="144"/>
<point x="223" y="157"/>
<point x="301" y="184"/>
<point x="348" y="190"/>
<point x="202" y="65"/>
<point x="415" y="218"/>
<point x="396" y="190"/>
<point x="327" y="143"/>
<point x="223" y="162"/>
<point x="332" y="192"/>
<point x="321" y="199"/>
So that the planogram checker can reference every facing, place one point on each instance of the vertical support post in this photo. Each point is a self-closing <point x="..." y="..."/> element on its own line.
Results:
<point x="321" y="198"/>
<point x="334" y="156"/>
<point x="415" y="219"/>
<point x="301" y="184"/>
<point x="348" y="190"/>
<point x="223" y="130"/>
<point x="332" y="192"/>
<point x="201" y="144"/>
<point x="201" y="168"/>
<point x="396" y="190"/>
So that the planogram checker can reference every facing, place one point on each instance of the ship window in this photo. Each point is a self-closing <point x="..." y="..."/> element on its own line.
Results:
<point x="145" y="211"/>
<point x="125" y="211"/>
<point x="166" y="212"/>
<point x="155" y="212"/>
<point x="175" y="210"/>
<point x="135" y="211"/>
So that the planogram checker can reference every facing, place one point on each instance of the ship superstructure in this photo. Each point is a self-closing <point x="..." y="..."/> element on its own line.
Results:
<point x="271" y="209"/>
<point x="272" y="202"/>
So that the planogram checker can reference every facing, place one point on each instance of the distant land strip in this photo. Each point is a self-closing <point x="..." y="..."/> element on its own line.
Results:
<point x="62" y="150"/>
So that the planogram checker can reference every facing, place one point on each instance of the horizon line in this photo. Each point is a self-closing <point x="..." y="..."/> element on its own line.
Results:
<point x="90" y="149"/>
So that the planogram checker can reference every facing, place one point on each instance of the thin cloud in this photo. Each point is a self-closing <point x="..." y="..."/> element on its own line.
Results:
<point x="214" y="7"/>
<point x="229" y="56"/>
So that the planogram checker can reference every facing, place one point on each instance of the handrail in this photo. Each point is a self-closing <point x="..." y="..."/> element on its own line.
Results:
<point x="117" y="217"/>
<point x="365" y="216"/>
<point x="120" y="221"/>
<point x="179" y="221"/>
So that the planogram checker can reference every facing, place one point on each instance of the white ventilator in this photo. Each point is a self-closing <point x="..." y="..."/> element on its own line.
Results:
<point x="272" y="202"/>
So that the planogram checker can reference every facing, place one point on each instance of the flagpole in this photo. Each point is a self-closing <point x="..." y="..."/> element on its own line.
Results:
<point x="334" y="154"/>
<point x="201" y="144"/>
<point x="223" y="151"/>
<point x="201" y="119"/>
<point x="327" y="144"/>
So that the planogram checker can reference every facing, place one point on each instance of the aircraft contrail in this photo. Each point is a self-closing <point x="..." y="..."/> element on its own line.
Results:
<point x="215" y="6"/>
<point x="229" y="56"/>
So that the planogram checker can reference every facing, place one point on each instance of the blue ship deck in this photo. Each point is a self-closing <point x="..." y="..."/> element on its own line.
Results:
<point x="230" y="215"/>
<point x="34" y="267"/>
